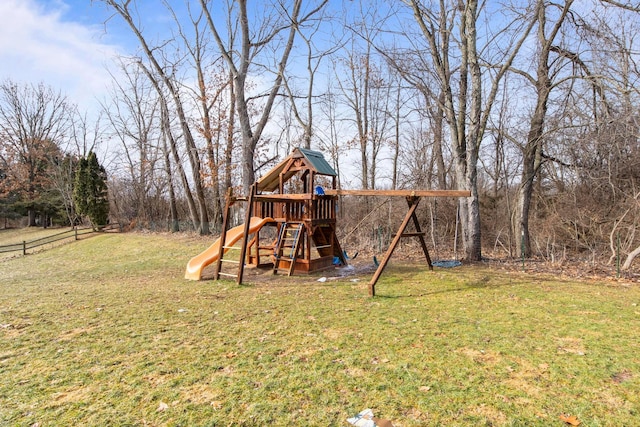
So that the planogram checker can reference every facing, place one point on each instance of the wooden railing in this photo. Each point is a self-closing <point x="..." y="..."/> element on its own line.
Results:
<point x="297" y="208"/>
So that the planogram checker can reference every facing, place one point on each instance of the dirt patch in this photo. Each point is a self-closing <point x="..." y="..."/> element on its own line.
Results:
<point x="480" y="356"/>
<point x="621" y="377"/>
<point x="571" y="346"/>
<point x="358" y="271"/>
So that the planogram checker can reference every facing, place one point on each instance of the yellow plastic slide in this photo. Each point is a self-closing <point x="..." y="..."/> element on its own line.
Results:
<point x="211" y="254"/>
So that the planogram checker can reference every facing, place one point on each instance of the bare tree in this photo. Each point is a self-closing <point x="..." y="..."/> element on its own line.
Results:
<point x="168" y="136"/>
<point x="134" y="119"/>
<point x="330" y="137"/>
<point x="163" y="71"/>
<point x="314" y="56"/>
<point x="278" y="25"/>
<point x="532" y="149"/>
<point x="467" y="112"/>
<point x="34" y="119"/>
<point x="367" y="92"/>
<point x="210" y="97"/>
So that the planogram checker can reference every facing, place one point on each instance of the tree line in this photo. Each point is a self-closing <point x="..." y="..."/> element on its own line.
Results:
<point x="532" y="106"/>
<point x="39" y="179"/>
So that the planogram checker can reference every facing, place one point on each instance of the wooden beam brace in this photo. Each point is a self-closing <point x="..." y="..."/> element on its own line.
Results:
<point x="422" y="233"/>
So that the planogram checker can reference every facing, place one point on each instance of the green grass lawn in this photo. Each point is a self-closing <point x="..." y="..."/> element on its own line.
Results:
<point x="105" y="331"/>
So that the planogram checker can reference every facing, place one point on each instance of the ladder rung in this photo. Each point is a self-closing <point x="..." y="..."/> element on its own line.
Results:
<point x="231" y="261"/>
<point x="231" y="247"/>
<point x="227" y="274"/>
<point x="323" y="246"/>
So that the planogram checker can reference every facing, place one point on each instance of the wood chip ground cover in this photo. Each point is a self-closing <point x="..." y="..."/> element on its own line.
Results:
<point x="107" y="332"/>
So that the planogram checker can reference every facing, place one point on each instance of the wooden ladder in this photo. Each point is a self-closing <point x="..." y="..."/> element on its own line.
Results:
<point x="240" y="262"/>
<point x="289" y="238"/>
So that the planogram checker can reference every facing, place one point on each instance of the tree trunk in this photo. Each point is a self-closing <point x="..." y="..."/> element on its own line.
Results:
<point x="630" y="258"/>
<point x="228" y="152"/>
<point x="171" y="86"/>
<point x="31" y="218"/>
<point x="438" y="134"/>
<point x="168" y="136"/>
<point x="174" y="223"/>
<point x="532" y="152"/>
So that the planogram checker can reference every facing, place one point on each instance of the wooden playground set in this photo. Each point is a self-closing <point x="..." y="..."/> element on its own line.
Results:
<point x="290" y="222"/>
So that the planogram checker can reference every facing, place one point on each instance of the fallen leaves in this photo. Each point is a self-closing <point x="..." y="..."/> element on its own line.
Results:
<point x="570" y="419"/>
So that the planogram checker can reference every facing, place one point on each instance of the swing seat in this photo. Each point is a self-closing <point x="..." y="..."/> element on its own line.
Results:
<point x="446" y="263"/>
<point x="344" y="252"/>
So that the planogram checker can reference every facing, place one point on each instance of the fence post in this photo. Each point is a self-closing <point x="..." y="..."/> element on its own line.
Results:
<point x="75" y="229"/>
<point x="618" y="255"/>
<point x="24" y="247"/>
<point x="522" y="246"/>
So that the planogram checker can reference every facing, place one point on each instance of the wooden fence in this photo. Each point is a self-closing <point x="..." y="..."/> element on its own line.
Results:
<point x="73" y="233"/>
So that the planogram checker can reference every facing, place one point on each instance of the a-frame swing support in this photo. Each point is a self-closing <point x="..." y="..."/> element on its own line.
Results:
<point x="413" y="199"/>
<point x="411" y="215"/>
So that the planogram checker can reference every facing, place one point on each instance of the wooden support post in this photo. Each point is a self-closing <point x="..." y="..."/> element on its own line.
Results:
<point x="413" y="204"/>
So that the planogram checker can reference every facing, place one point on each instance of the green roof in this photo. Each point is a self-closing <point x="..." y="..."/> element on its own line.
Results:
<point x="318" y="162"/>
<point x="313" y="160"/>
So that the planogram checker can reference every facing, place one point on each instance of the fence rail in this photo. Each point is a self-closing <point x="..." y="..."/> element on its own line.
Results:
<point x="74" y="233"/>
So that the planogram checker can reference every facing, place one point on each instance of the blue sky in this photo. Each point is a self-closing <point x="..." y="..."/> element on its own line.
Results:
<point x="62" y="43"/>
<point x="70" y="44"/>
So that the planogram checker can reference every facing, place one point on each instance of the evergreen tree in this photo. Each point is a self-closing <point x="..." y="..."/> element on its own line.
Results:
<point x="90" y="191"/>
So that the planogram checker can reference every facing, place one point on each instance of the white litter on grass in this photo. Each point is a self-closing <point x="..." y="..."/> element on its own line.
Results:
<point x="322" y="279"/>
<point x="182" y="310"/>
<point x="363" y="419"/>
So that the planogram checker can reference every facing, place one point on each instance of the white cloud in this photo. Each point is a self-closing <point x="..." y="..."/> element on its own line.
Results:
<point x="38" y="45"/>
